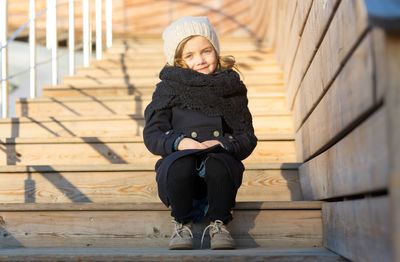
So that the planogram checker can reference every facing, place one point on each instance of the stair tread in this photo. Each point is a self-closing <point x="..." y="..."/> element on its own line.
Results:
<point x="278" y="254"/>
<point x="151" y="206"/>
<point x="126" y="97"/>
<point x="110" y="139"/>
<point x="24" y="119"/>
<point x="126" y="167"/>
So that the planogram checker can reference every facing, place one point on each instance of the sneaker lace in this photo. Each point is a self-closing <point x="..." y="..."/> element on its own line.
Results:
<point x="179" y="228"/>
<point x="215" y="227"/>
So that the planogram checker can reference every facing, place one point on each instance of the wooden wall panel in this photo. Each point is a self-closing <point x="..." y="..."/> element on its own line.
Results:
<point x="359" y="229"/>
<point x="355" y="165"/>
<point x="344" y="32"/>
<point x="350" y="96"/>
<point x="314" y="28"/>
<point x="393" y="112"/>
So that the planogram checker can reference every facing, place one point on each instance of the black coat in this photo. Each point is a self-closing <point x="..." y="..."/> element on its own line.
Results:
<point x="164" y="126"/>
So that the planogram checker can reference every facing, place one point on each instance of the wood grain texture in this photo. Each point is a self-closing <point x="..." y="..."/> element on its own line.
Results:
<point x="392" y="98"/>
<point x="350" y="96"/>
<point x="250" y="228"/>
<point x="90" y="105"/>
<point x="111" y="126"/>
<point x="358" y="229"/>
<point x="357" y="164"/>
<point x="312" y="35"/>
<point x="74" y="151"/>
<point x="344" y="32"/>
<point x="130" y="186"/>
<point x="162" y="254"/>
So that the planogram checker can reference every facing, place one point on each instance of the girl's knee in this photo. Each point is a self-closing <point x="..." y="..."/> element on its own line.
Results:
<point x="182" y="169"/>
<point x="216" y="169"/>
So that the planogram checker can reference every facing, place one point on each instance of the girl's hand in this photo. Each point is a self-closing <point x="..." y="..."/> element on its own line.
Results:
<point x="188" y="143"/>
<point x="211" y="143"/>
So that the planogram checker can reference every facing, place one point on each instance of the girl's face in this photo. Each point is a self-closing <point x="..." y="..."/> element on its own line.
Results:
<point x="199" y="55"/>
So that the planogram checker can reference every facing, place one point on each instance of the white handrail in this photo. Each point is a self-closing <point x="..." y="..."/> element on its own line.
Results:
<point x="32" y="49"/>
<point x="71" y="37"/>
<point x="109" y="38"/>
<point x="4" y="54"/>
<point x="54" y="43"/>
<point x="87" y="34"/>
<point x="99" y="35"/>
<point x="51" y="41"/>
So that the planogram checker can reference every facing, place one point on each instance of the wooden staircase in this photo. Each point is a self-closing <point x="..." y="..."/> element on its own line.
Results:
<point x="75" y="175"/>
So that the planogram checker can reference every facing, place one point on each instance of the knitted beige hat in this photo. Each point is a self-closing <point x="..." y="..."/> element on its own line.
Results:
<point x="183" y="28"/>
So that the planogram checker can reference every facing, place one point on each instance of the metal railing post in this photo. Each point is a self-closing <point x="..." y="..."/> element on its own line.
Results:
<point x="49" y="20"/>
<point x="4" y="57"/>
<point x="32" y="49"/>
<point x="71" y="37"/>
<point x="87" y="41"/>
<point x="109" y="36"/>
<point x="99" y="33"/>
<point x="54" y="44"/>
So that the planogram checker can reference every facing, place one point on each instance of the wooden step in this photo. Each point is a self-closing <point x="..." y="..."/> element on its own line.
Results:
<point x="163" y="254"/>
<point x="115" y="125"/>
<point x="137" y="72"/>
<point x="92" y="79"/>
<point x="154" y="71"/>
<point x="265" y="224"/>
<point x="132" y="105"/>
<point x="129" y="183"/>
<point x="122" y="88"/>
<point x="110" y="150"/>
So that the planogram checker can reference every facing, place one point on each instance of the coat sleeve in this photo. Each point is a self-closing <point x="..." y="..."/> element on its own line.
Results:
<point x="240" y="143"/>
<point x="158" y="134"/>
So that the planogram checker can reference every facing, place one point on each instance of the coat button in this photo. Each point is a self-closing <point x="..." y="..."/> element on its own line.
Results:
<point x="193" y="134"/>
<point x="216" y="133"/>
<point x="230" y="137"/>
<point x="167" y="133"/>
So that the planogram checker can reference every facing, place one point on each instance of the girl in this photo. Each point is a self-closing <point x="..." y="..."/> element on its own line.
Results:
<point x="199" y="122"/>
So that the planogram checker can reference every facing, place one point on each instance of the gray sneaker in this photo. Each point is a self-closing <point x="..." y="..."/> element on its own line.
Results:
<point x="182" y="237"/>
<point x="220" y="238"/>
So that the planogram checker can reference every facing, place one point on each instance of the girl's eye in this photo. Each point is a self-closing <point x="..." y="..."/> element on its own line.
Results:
<point x="187" y="56"/>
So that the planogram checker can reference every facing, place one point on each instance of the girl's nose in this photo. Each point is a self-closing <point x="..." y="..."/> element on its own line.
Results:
<point x="200" y="60"/>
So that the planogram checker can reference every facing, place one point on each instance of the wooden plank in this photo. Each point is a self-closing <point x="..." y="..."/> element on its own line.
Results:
<point x="122" y="126"/>
<point x="358" y="229"/>
<point x="131" y="105"/>
<point x="130" y="186"/>
<point x="272" y="86"/>
<point x="162" y="254"/>
<point x="392" y="98"/>
<point x="272" y="75"/>
<point x="119" y="125"/>
<point x="357" y="164"/>
<point x="145" y="206"/>
<point x="74" y="151"/>
<point x="301" y="19"/>
<point x="250" y="228"/>
<point x="125" y="167"/>
<point x="378" y="39"/>
<point x="348" y="24"/>
<point x="314" y="28"/>
<point x="350" y="96"/>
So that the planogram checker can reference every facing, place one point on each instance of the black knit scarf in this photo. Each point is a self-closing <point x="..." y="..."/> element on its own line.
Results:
<point x="219" y="94"/>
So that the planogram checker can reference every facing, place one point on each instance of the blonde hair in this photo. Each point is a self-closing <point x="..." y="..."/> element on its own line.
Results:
<point x="224" y="62"/>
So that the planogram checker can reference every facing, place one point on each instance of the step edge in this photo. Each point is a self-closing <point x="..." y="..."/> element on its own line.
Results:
<point x="124" y="168"/>
<point x="152" y="206"/>
<point x="110" y="139"/>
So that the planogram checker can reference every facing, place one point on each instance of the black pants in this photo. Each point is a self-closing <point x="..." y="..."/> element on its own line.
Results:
<point x="184" y="185"/>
